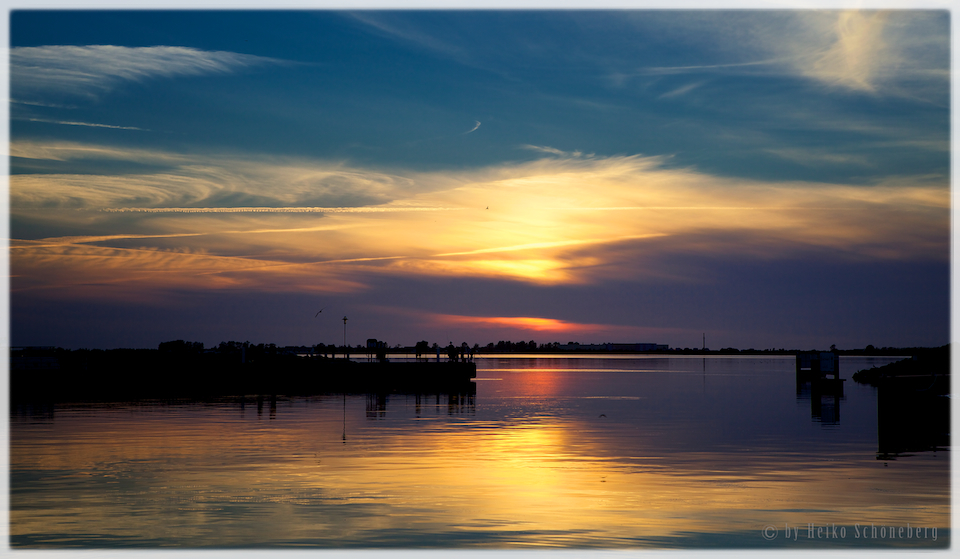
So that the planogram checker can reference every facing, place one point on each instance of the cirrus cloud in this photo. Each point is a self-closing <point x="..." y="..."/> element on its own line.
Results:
<point x="92" y="70"/>
<point x="902" y="53"/>
<point x="553" y="221"/>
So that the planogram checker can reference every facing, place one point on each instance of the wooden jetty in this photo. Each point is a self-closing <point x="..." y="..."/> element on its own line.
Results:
<point x="374" y="376"/>
<point x="821" y="370"/>
<point x="139" y="375"/>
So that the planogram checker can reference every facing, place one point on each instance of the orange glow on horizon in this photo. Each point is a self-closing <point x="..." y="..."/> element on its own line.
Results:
<point x="536" y="324"/>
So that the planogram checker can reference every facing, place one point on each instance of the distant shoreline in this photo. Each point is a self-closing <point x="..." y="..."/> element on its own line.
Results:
<point x="187" y="369"/>
<point x="359" y="352"/>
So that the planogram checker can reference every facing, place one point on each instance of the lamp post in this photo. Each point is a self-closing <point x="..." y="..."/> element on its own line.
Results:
<point x="345" y="352"/>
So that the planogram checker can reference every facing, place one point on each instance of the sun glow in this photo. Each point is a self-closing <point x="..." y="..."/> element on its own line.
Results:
<point x="527" y="326"/>
<point x="523" y="322"/>
<point x="555" y="221"/>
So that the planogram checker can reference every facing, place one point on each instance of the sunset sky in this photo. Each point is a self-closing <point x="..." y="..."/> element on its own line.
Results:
<point x="768" y="179"/>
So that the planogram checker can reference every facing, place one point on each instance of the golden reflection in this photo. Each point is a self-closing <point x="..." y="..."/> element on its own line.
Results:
<point x="544" y="482"/>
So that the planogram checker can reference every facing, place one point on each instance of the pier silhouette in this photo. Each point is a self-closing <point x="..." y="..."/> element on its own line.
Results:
<point x="913" y="403"/>
<point x="184" y="370"/>
<point x="818" y="378"/>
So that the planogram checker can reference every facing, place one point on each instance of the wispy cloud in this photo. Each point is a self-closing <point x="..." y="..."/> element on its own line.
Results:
<point x="903" y="53"/>
<point x="857" y="56"/>
<point x="42" y="104"/>
<point x="278" y="210"/>
<point x="818" y="156"/>
<point x="682" y="90"/>
<point x="558" y="220"/>
<point x="88" y="124"/>
<point x="554" y="151"/>
<point x="398" y="26"/>
<point x="472" y="129"/>
<point x="551" y="244"/>
<point x="143" y="272"/>
<point x="95" y="69"/>
<point x="198" y="182"/>
<point x="391" y="25"/>
<point x="655" y="70"/>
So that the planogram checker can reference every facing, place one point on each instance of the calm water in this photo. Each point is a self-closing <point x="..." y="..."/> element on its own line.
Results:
<point x="586" y="452"/>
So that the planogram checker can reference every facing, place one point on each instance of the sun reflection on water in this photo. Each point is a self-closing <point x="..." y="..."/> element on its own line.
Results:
<point x="441" y="470"/>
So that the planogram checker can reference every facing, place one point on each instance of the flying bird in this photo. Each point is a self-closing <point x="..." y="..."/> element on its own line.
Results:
<point x="318" y="312"/>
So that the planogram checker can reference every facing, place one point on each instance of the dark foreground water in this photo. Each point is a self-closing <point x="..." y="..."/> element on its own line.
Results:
<point x="631" y="452"/>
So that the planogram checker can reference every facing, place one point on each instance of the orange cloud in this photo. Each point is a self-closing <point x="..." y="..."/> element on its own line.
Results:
<point x="522" y="322"/>
<point x="533" y="325"/>
<point x="65" y="269"/>
<point x="564" y="221"/>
